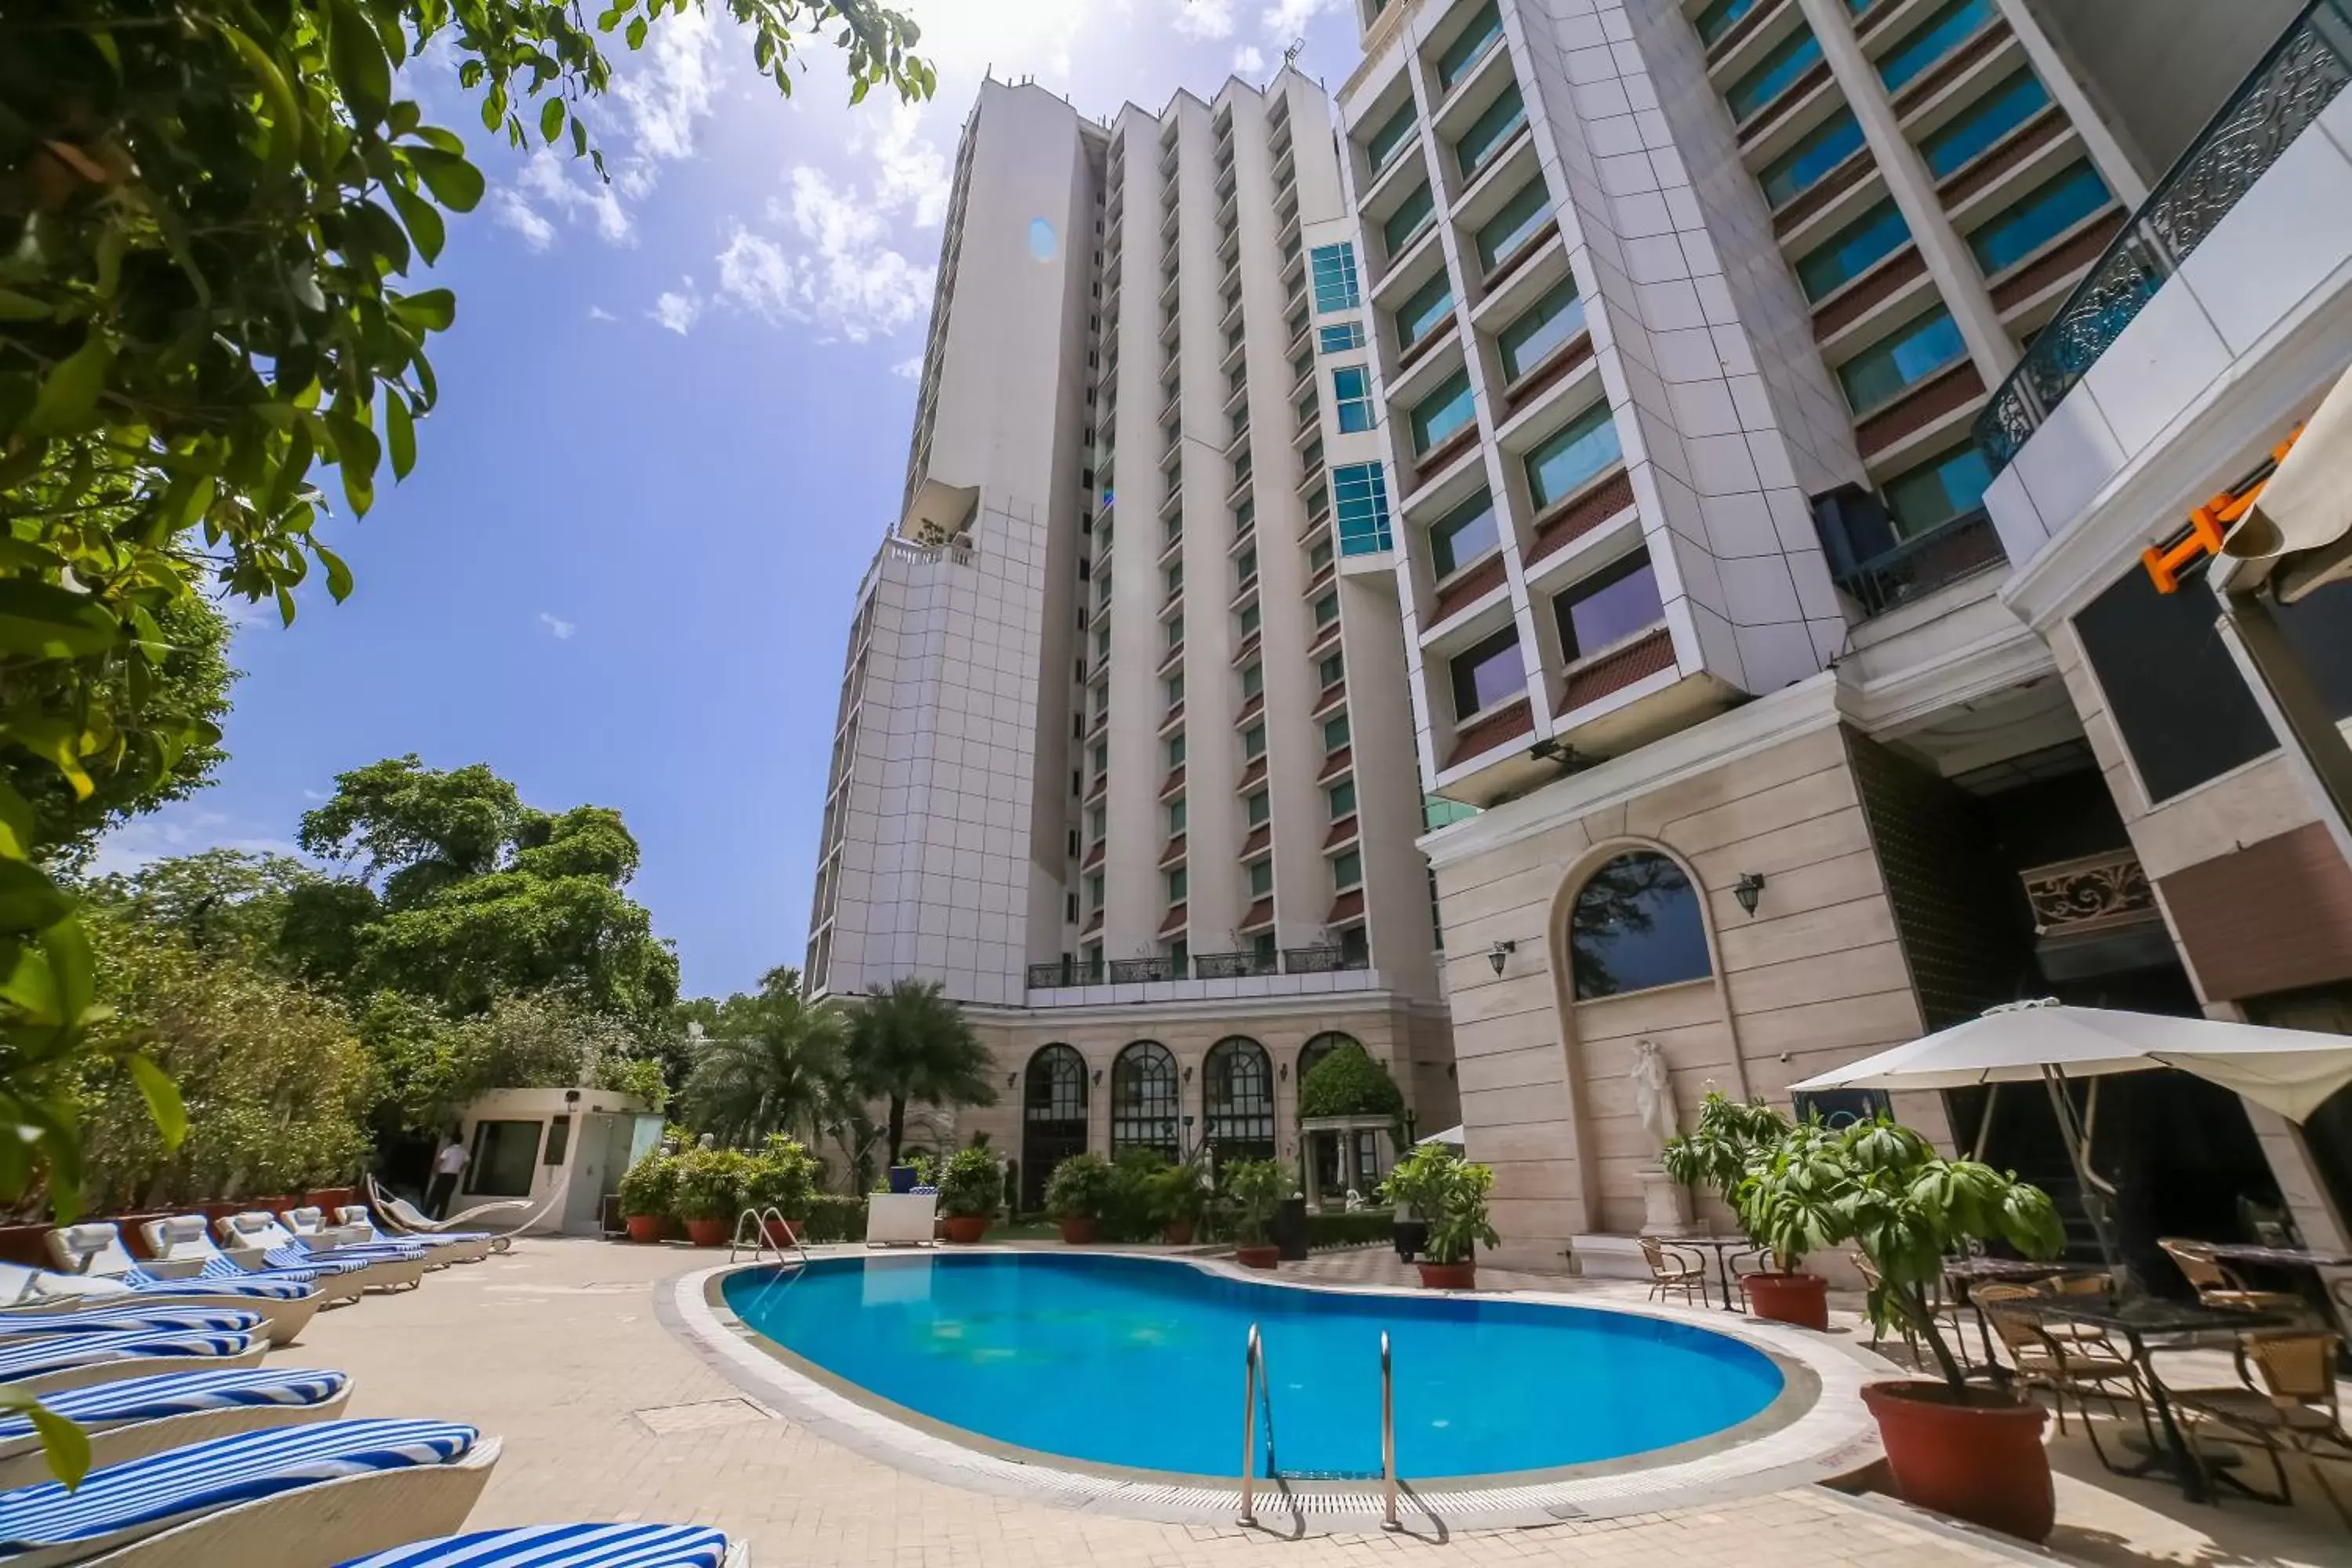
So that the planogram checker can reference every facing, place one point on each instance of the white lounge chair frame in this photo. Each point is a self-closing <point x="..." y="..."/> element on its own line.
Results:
<point x="307" y="1527"/>
<point x="399" y="1214"/>
<point x="283" y="1319"/>
<point x="441" y="1249"/>
<point x="82" y="1376"/>
<point x="380" y="1273"/>
<point x="333" y="1289"/>
<point x="22" y="1463"/>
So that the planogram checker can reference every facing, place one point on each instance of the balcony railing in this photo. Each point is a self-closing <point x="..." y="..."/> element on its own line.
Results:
<point x="1144" y="971"/>
<point x="2294" y="82"/>
<point x="1232" y="966"/>
<point x="1322" y="960"/>
<point x="2095" y="893"/>
<point x="1068" y="972"/>
<point x="1960" y="548"/>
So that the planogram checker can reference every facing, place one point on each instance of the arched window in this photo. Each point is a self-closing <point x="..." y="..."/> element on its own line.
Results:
<point x="1635" y="925"/>
<point x="1143" y="1101"/>
<point x="1052" y="1117"/>
<point x="1237" y="1099"/>
<point x="1321" y="1046"/>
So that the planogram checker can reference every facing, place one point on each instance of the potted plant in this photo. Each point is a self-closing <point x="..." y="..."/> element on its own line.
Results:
<point x="649" y="1188"/>
<point x="1733" y="1144"/>
<point x="1179" y="1198"/>
<point x="709" y="1194"/>
<point x="1077" y="1194"/>
<point x="1449" y="1194"/>
<point x="1256" y="1188"/>
<point x="783" y="1177"/>
<point x="970" y="1187"/>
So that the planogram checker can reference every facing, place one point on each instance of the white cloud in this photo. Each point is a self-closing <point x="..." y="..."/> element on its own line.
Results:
<point x="569" y="187"/>
<point x="181" y="829"/>
<point x="673" y="85"/>
<point x="1248" y="60"/>
<point x="911" y="172"/>
<point x="1204" y="18"/>
<point x="845" y="277"/>
<point x="598" y="313"/>
<point x="557" y="628"/>
<point x="1287" y="19"/>
<point x="677" y="309"/>
<point x="909" y="369"/>
<point x="512" y="212"/>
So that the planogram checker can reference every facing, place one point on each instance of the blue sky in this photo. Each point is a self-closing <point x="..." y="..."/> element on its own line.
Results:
<point x="673" y="427"/>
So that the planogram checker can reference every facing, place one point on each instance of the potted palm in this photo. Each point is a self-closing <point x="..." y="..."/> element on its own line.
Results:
<point x="1179" y="1198"/>
<point x="970" y="1187"/>
<point x="648" y="1189"/>
<point x="1078" y="1193"/>
<point x="1449" y="1196"/>
<point x="709" y="1194"/>
<point x="1256" y="1188"/>
<point x="1732" y="1143"/>
<point x="781" y="1177"/>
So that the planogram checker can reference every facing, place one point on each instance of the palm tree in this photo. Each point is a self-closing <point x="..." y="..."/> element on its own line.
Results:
<point x="774" y="1069"/>
<point x="911" y="1044"/>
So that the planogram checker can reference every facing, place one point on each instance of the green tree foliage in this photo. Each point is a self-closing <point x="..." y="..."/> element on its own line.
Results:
<point x="769" y="1062"/>
<point x="1349" y="1083"/>
<point x="909" y="1044"/>
<point x="430" y="1066"/>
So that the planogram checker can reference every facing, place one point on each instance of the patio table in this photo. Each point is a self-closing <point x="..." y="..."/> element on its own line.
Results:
<point x="1960" y="1273"/>
<point x="1722" y="1247"/>
<point x="2137" y="1321"/>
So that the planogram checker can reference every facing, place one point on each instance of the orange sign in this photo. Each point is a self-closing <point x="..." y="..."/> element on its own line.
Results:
<point x="2208" y="525"/>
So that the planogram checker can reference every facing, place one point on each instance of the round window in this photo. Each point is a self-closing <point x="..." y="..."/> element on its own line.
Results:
<point x="1041" y="239"/>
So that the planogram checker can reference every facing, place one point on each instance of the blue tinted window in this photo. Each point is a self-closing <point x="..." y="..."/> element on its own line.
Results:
<point x="1487" y="133"/>
<point x="1949" y="485"/>
<point x="1609" y="606"/>
<point x="1469" y="45"/>
<point x="1463" y="534"/>
<point x="1407" y="224"/>
<point x="1431" y="306"/>
<point x="1798" y="170"/>
<point x="1770" y="80"/>
<point x="1486" y="673"/>
<point x="1340" y="340"/>
<point x="1565" y="463"/>
<point x="1932" y="40"/>
<point x="1360" y="491"/>
<point x="1394" y="135"/>
<point x="1984" y="122"/>
<point x="1719" y="18"/>
<point x="1353" y="395"/>
<point x="1541" y="328"/>
<point x="1508" y="230"/>
<point x="1853" y="250"/>
<point x="1439" y="416"/>
<point x="1636" y="925"/>
<point x="1335" y="277"/>
<point x="2042" y="215"/>
<point x="1901" y="360"/>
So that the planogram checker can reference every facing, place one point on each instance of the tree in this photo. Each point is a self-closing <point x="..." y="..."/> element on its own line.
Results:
<point x="774" y="1066"/>
<point x="1349" y="1083"/>
<point x="430" y="1066"/>
<point x="909" y="1044"/>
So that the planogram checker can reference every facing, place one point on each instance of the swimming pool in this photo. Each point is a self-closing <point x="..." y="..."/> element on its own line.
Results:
<point x="1138" y="1361"/>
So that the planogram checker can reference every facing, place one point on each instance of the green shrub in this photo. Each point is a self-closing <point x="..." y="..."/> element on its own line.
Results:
<point x="1133" y="1211"/>
<point x="782" y="1177"/>
<point x="650" y="1186"/>
<point x="1448" y="1193"/>
<point x="1081" y="1187"/>
<point x="710" y="1184"/>
<point x="971" y="1185"/>
<point x="1179" y="1193"/>
<point x="834" y="1216"/>
<point x="1361" y="1228"/>
<point x="1254" y="1189"/>
<point x="1349" y="1083"/>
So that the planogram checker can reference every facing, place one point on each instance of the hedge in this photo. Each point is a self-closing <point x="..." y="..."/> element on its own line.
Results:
<point x="1363" y="1227"/>
<point x="1349" y="1083"/>
<point x="834" y="1217"/>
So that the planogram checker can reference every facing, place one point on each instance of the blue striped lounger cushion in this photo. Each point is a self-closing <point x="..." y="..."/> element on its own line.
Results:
<point x="38" y="1356"/>
<point x="293" y="1258"/>
<point x="562" y="1546"/>
<point x="205" y="1477"/>
<point x="219" y="1268"/>
<point x="183" y="1394"/>
<point x="151" y="1317"/>
<point x="270" y="1287"/>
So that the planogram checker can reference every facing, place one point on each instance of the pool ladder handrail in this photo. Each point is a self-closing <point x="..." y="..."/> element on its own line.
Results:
<point x="758" y="1241"/>
<point x="1254" y="1380"/>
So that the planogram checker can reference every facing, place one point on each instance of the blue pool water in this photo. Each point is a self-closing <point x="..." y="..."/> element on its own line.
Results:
<point x="1129" y="1361"/>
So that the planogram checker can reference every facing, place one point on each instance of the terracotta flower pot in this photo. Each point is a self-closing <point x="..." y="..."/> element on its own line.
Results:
<point x="1448" y="1276"/>
<point x="1180" y="1233"/>
<point x="646" y="1226"/>
<point x="1798" y="1298"/>
<point x="782" y="1232"/>
<point x="1081" y="1230"/>
<point x="965" y="1229"/>
<point x="708" y="1232"/>
<point x="1977" y="1456"/>
<point x="1265" y="1256"/>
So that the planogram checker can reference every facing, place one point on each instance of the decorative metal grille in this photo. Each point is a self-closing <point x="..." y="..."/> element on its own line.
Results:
<point x="2097" y="892"/>
<point x="1143" y="1101"/>
<point x="1052" y="1117"/>
<point x="1066" y="971"/>
<point x="1321" y="959"/>
<point x="1960" y="548"/>
<point x="1237" y="1099"/>
<point x="1139" y="971"/>
<point x="1232" y="966"/>
<point x="2288" y="90"/>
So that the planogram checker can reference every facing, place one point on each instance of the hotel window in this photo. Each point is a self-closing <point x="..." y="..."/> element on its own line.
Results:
<point x="1326" y="608"/>
<point x="1347" y="871"/>
<point x="1330" y="671"/>
<point x="1254" y="742"/>
<point x="1174" y="687"/>
<point x="1770" y="78"/>
<point x="1175" y="750"/>
<point x="1176" y="817"/>
<point x="1445" y="412"/>
<point x="1465" y="534"/>
<point x="1175" y="637"/>
<point x="1101" y="759"/>
<point x="1340" y="339"/>
<point x="1901" y="360"/>
<point x="1256" y="809"/>
<point x="1179" y="884"/>
<point x="1253" y="680"/>
<point x="2040" y="216"/>
<point x="1717" y="19"/>
<point x="1334" y="266"/>
<point x="1095" y="891"/>
<point x="1502" y="236"/>
<point x="1959" y="141"/>
<point x="1099" y="824"/>
<point x="1249" y="618"/>
<point x="1541" y="328"/>
<point x="1568" y="461"/>
<point x="1853" y="250"/>
<point x="1341" y="798"/>
<point x="1635" y="925"/>
<point x="1351" y="395"/>
<point x="1246" y="568"/>
<point x="1174" y="579"/>
<point x="1430" y="308"/>
<point x="1244" y="515"/>
<point x="1469" y="45"/>
<point x="1395" y="134"/>
<point x="1261" y="878"/>
<point x="1487" y="672"/>
<point x="1932" y="40"/>
<point x="1319" y="557"/>
<point x="1609" y="606"/>
<point x="1948" y="485"/>
<point x="1485" y="135"/>
<point x="1361" y="491"/>
<point x="1334" y="734"/>
<point x="1409" y="222"/>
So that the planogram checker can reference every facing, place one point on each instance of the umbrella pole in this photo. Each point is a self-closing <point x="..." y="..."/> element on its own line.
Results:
<point x="2095" y="1190"/>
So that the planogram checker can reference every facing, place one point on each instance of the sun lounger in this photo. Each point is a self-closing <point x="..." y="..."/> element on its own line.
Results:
<point x="376" y="1269"/>
<point x="470" y="1247"/>
<point x="41" y="1366"/>
<point x="93" y="1250"/>
<point x="293" y="1497"/>
<point x="133" y="1418"/>
<point x="405" y="1218"/>
<point x="141" y="1316"/>
<point x="101" y="1272"/>
<point x="184" y="1238"/>
<point x="569" y="1546"/>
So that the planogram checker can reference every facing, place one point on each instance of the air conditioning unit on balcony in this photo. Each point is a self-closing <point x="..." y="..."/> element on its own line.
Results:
<point x="1854" y="528"/>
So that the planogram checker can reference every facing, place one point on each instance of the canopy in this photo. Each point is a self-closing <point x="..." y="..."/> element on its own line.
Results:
<point x="1450" y="1135"/>
<point x="2291" y="1071"/>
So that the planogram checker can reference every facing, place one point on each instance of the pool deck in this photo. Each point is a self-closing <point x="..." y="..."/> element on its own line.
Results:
<point x="608" y="1413"/>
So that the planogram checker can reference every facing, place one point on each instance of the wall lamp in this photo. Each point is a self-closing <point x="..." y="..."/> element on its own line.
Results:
<point x="1011" y="1078"/>
<point x="1496" y="954"/>
<point x="1748" y="889"/>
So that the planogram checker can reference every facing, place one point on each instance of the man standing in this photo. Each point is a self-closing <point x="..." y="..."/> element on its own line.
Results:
<point x="448" y="1166"/>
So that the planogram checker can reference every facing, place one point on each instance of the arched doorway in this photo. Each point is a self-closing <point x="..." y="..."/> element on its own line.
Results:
<point x="1143" y="1101"/>
<point x="1053" y="1118"/>
<point x="1322" y="1149"/>
<point x="1237" y="1101"/>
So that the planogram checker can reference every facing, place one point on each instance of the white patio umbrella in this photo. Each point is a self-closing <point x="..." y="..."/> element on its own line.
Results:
<point x="1450" y="1135"/>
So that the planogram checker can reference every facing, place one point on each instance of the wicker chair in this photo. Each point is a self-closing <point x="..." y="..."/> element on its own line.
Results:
<point x="2217" y="1287"/>
<point x="1674" y="1267"/>
<point x="1936" y="1304"/>
<point x="2080" y="1370"/>
<point x="2288" y="1404"/>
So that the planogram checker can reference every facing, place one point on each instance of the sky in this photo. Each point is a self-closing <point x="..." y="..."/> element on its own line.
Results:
<point x="672" y="430"/>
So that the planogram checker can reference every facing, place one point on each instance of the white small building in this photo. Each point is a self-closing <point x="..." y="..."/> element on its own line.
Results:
<point x="561" y="1150"/>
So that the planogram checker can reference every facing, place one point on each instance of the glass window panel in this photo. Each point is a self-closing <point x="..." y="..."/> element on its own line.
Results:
<point x="1819" y="150"/>
<point x="1347" y="870"/>
<point x="1853" y="250"/>
<point x="1340" y="339"/>
<point x="1609" y="606"/>
<point x="1176" y="748"/>
<point x="1487" y="673"/>
<point x="1395" y="133"/>
<point x="1541" y="328"/>
<point x="1237" y="1101"/>
<point x="1463" y="534"/>
<point x="1353" y="397"/>
<point x="1261" y="878"/>
<point x="1405" y="225"/>
<point x="1334" y="266"/>
<point x="1438" y="417"/>
<point x="1253" y="741"/>
<point x="1719" y="18"/>
<point x="1947" y="486"/>
<point x="1176" y="816"/>
<point x="1253" y="680"/>
<point x="1960" y="140"/>
<point x="1342" y="798"/>
<point x="1524" y="213"/>
<point x="1635" y="925"/>
<point x="1430" y="308"/>
<point x="505" y="1159"/>
<point x="1179" y="884"/>
<point x="1901" y="360"/>
<point x="1327" y="609"/>
<point x="1469" y="45"/>
<point x="1258" y="808"/>
<point x="1330" y="670"/>
<point x="1144" y="1100"/>
<point x="1485" y="135"/>
<point x="2040" y="216"/>
<point x="1772" y="75"/>
<point x="1938" y="35"/>
<point x="1361" y="492"/>
<point x="1335" y="732"/>
<point x="1568" y="461"/>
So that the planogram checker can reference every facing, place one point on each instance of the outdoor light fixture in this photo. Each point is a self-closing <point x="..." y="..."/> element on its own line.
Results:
<point x="1748" y="889"/>
<point x="1283" y="1072"/>
<point x="1498" y="953"/>
<point x="1011" y="1078"/>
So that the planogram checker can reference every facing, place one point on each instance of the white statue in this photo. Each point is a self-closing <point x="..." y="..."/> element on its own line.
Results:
<point x="1654" y="1092"/>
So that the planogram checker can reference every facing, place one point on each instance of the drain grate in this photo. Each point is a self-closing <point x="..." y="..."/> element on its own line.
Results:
<point x="666" y="1420"/>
